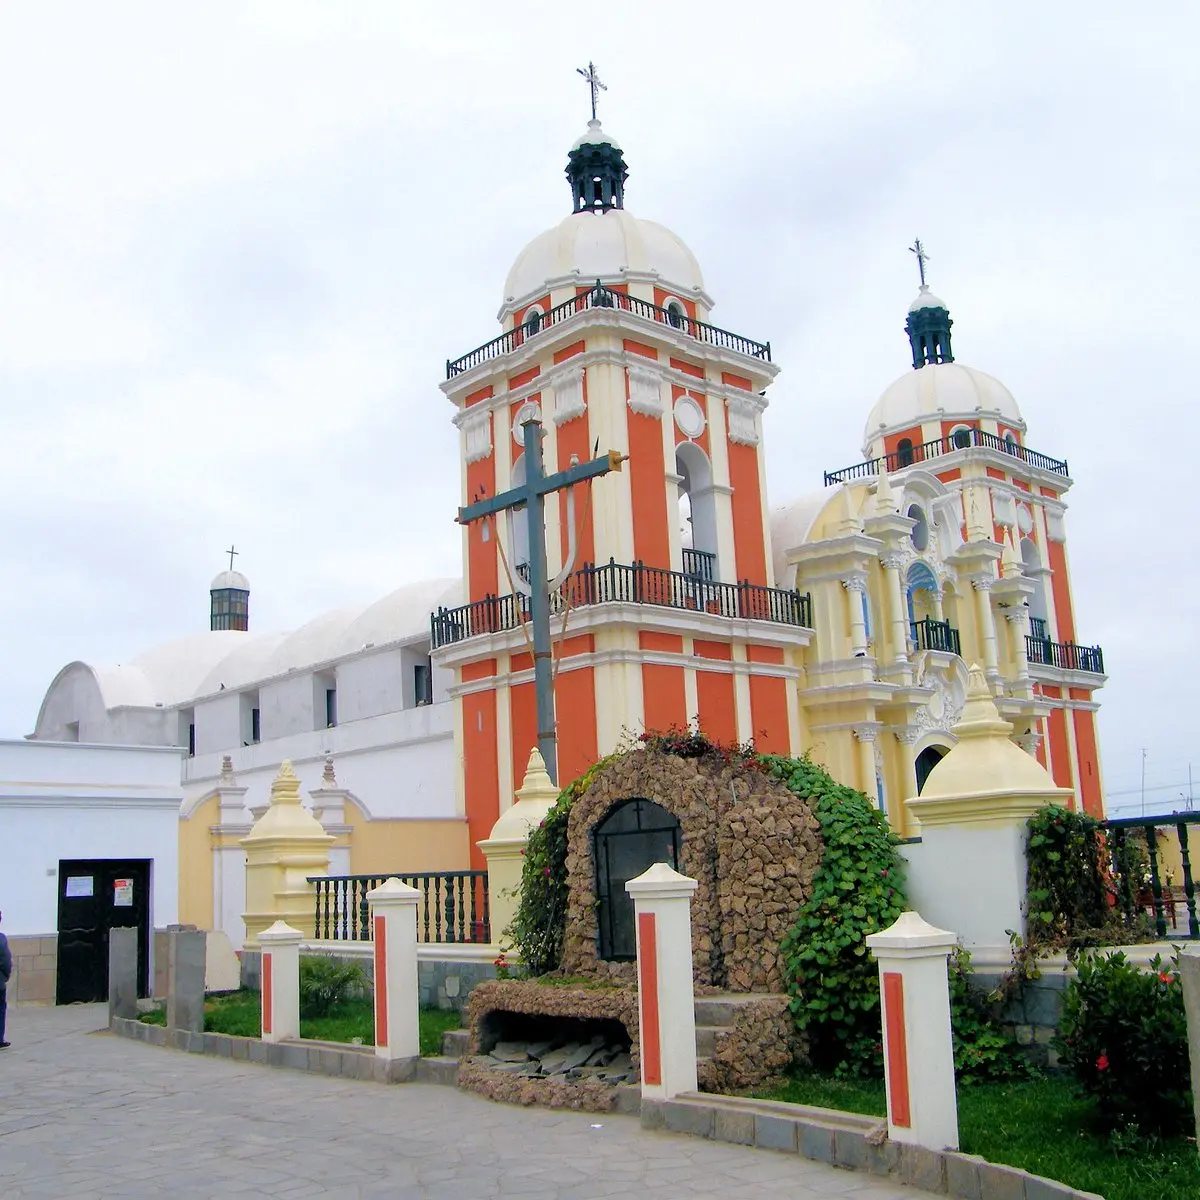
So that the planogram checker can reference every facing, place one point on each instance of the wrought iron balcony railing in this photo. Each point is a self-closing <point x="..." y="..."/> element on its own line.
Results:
<point x="605" y="297"/>
<point x="962" y="439"/>
<point x="699" y="564"/>
<point x="453" y="907"/>
<point x="1134" y="892"/>
<point x="929" y="634"/>
<point x="631" y="584"/>
<point x="1066" y="656"/>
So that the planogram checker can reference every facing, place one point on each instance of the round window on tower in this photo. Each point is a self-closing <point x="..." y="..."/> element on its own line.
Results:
<point x="920" y="531"/>
<point x="676" y="313"/>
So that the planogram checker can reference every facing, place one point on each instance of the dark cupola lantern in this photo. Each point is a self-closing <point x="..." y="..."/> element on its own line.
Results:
<point x="928" y="329"/>
<point x="229" y="594"/>
<point x="596" y="171"/>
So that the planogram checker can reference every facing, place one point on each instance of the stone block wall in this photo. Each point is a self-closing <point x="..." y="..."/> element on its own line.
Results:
<point x="1033" y="1015"/>
<point x="35" y="969"/>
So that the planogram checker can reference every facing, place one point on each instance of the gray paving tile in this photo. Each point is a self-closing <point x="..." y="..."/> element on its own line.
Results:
<point x="88" y="1114"/>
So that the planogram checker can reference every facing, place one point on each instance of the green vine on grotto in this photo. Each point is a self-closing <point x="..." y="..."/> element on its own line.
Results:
<point x="858" y="889"/>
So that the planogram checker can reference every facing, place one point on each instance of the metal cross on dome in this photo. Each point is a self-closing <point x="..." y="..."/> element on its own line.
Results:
<point x="231" y="552"/>
<point x="593" y="82"/>
<point x="922" y="258"/>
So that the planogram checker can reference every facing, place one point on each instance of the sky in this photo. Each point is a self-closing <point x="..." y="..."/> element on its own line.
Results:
<point x="238" y="242"/>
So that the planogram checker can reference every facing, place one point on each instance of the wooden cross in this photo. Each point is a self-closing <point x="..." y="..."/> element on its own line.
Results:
<point x="231" y="552"/>
<point x="532" y="493"/>
<point x="922" y="258"/>
<point x="594" y="83"/>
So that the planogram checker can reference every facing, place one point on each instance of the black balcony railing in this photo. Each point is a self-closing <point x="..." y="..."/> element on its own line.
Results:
<point x="615" y="582"/>
<point x="453" y="906"/>
<point x="1065" y="656"/>
<point x="699" y="564"/>
<point x="929" y="634"/>
<point x="1146" y="889"/>
<point x="962" y="439"/>
<point x="605" y="297"/>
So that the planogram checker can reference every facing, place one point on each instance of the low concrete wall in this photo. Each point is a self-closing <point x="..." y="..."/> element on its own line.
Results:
<point x="446" y="974"/>
<point x="35" y="969"/>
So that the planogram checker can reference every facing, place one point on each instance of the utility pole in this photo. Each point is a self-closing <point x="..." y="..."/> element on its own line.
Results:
<point x="1143" y="781"/>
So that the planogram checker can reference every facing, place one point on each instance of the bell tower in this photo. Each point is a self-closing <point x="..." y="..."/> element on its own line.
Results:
<point x="664" y="610"/>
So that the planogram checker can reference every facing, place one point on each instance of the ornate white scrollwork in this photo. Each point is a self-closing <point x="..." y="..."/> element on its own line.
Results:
<point x="744" y="408"/>
<point x="476" y="425"/>
<point x="568" y="396"/>
<point x="855" y="583"/>
<point x="645" y="391"/>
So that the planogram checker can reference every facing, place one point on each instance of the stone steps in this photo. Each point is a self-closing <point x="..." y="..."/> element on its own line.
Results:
<point x="455" y="1042"/>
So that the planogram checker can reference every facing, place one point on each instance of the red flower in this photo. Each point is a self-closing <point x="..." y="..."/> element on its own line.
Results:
<point x="545" y="870"/>
<point x="1102" y="1063"/>
<point x="1165" y="977"/>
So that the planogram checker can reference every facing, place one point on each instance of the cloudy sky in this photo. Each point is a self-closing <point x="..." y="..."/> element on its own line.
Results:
<point x="239" y="240"/>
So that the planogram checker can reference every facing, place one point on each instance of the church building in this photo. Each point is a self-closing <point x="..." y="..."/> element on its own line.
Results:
<point x="841" y="623"/>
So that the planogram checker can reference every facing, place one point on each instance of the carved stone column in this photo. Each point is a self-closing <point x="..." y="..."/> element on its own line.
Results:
<point x="865" y="734"/>
<point x="856" y="590"/>
<point x="897" y="617"/>
<point x="1018" y="622"/>
<point x="983" y="585"/>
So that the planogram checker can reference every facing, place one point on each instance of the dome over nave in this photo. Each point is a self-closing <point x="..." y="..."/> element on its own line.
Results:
<point x="600" y="239"/>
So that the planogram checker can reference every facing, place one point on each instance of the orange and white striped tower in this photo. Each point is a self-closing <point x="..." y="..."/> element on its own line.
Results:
<point x="668" y="612"/>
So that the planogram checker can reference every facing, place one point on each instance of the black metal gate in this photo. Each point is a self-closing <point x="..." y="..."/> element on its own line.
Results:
<point x="634" y="836"/>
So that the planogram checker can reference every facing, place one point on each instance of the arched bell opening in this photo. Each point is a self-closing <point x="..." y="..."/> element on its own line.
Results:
<point x="697" y="501"/>
<point x="925" y="762"/>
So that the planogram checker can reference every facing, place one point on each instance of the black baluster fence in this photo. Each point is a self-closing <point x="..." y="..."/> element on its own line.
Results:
<point x="1066" y="656"/>
<point x="628" y="583"/>
<point x="930" y="634"/>
<point x="453" y="908"/>
<point x="600" y="296"/>
<point x="1142" y="884"/>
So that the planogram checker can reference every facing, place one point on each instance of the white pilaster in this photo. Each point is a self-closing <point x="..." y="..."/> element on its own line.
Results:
<point x="918" y="1046"/>
<point x="394" y="924"/>
<point x="280" y="945"/>
<point x="662" y="904"/>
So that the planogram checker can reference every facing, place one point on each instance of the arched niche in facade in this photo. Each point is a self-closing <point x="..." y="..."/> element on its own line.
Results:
<point x="697" y="501"/>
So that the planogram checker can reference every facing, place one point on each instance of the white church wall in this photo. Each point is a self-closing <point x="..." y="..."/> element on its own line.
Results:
<point x="400" y="764"/>
<point x="69" y="801"/>
<point x="371" y="685"/>
<point x="218" y="723"/>
<point x="287" y="707"/>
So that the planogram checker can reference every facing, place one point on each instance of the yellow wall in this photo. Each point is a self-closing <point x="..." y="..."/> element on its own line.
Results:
<point x="1170" y="861"/>
<point x="379" y="846"/>
<point x="196" y="866"/>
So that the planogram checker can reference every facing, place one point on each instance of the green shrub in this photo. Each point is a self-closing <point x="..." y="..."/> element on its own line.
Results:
<point x="1123" y="1035"/>
<point x="982" y="1051"/>
<point x="858" y="889"/>
<point x="537" y="929"/>
<point x="326" y="982"/>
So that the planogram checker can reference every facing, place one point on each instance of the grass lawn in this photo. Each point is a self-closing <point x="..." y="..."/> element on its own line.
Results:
<point x="1040" y="1125"/>
<point x="238" y="1013"/>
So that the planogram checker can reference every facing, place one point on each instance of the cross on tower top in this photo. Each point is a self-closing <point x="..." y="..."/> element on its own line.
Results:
<point x="593" y="81"/>
<point x="922" y="258"/>
<point x="231" y="552"/>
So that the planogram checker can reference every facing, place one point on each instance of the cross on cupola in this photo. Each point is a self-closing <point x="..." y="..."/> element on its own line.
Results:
<point x="928" y="323"/>
<point x="595" y="167"/>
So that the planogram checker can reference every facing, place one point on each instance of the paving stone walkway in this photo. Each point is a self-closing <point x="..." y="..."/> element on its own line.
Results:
<point x="85" y="1115"/>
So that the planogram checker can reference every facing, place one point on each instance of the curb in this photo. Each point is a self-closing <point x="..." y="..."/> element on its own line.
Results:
<point x="846" y="1140"/>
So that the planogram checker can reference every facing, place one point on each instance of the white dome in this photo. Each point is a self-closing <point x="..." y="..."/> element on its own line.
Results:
<point x="926" y="299"/>
<point x="230" y="579"/>
<point x="593" y="135"/>
<point x="944" y="391"/>
<point x="588" y="246"/>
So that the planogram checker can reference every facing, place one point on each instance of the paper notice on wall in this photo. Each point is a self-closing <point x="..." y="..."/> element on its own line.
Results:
<point x="79" y="886"/>
<point x="122" y="893"/>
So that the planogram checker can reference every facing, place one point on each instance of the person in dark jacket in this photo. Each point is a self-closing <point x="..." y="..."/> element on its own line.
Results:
<point x="5" y="976"/>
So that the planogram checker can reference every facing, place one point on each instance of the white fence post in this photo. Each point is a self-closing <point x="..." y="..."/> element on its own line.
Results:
<point x="397" y="999"/>
<point x="918" y="1044"/>
<point x="662" y="902"/>
<point x="280" y="945"/>
<point x="1189" y="971"/>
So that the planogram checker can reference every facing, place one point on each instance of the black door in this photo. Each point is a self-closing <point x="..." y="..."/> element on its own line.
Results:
<point x="94" y="896"/>
<point x="630" y="839"/>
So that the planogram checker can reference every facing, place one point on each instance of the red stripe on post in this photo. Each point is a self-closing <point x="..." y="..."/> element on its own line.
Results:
<point x="381" y="1029"/>
<point x="897" y="1048"/>
<point x="266" y="992"/>
<point x="651" y="1044"/>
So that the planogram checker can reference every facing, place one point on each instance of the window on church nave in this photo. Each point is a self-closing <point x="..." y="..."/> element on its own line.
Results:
<point x="423" y="683"/>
